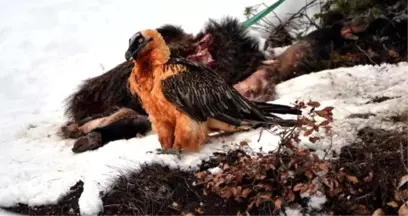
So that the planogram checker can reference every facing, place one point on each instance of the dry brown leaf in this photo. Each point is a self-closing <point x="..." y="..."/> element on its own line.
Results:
<point x="403" y="210"/>
<point x="309" y="174"/>
<point x="290" y="196"/>
<point x="226" y="193"/>
<point x="361" y="210"/>
<point x="322" y="113"/>
<point x="251" y="204"/>
<point x="324" y="166"/>
<point x="218" y="182"/>
<point x="243" y="143"/>
<point x="260" y="177"/>
<point x="352" y="179"/>
<point x="402" y="181"/>
<point x="296" y="138"/>
<point x="308" y="122"/>
<point x="265" y="196"/>
<point x="327" y="129"/>
<point x="393" y="53"/>
<point x="341" y="173"/>
<point x="328" y="183"/>
<point x="246" y="192"/>
<point x="335" y="192"/>
<point x="314" y="139"/>
<point x="324" y="123"/>
<point x="299" y="187"/>
<point x="260" y="198"/>
<point x="201" y="174"/>
<point x="328" y="109"/>
<point x="392" y="204"/>
<point x="235" y="191"/>
<point x="278" y="204"/>
<point x="199" y="211"/>
<point x="313" y="104"/>
<point x="308" y="132"/>
<point x="378" y="212"/>
<point x="336" y="183"/>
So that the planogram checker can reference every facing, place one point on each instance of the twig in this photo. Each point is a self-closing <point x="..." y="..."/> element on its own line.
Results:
<point x="369" y="58"/>
<point x="312" y="22"/>
<point x="111" y="205"/>
<point x="330" y="147"/>
<point x="402" y="157"/>
<point x="260" y="134"/>
<point x="288" y="23"/>
<point x="402" y="198"/>
<point x="280" y="146"/>
<point x="188" y="186"/>
<point x="364" y="196"/>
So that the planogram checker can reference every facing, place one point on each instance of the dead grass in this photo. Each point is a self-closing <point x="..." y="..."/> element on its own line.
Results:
<point x="378" y="161"/>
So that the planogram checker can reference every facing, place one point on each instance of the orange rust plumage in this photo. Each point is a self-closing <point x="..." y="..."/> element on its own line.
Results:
<point x="184" y="100"/>
<point x="172" y="126"/>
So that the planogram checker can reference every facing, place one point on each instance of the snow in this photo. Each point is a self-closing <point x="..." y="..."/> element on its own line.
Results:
<point x="48" y="48"/>
<point x="349" y="91"/>
<point x="7" y="213"/>
<point x="316" y="202"/>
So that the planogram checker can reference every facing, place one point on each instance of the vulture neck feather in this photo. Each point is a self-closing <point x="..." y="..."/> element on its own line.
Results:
<point x="149" y="65"/>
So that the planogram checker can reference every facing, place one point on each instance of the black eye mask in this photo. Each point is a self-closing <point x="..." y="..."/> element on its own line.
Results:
<point x="136" y="43"/>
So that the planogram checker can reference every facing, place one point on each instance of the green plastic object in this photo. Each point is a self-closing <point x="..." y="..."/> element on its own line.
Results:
<point x="261" y="14"/>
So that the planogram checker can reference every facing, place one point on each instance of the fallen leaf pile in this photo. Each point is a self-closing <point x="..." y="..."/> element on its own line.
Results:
<point x="292" y="174"/>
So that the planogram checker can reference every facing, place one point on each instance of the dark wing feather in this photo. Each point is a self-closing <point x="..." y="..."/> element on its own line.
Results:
<point x="201" y="93"/>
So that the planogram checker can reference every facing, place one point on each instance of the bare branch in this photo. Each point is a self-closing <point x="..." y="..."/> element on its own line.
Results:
<point x="369" y="58"/>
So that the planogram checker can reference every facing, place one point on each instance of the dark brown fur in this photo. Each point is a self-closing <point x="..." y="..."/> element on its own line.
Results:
<point x="309" y="52"/>
<point x="302" y="57"/>
<point x="236" y="54"/>
<point x="260" y="86"/>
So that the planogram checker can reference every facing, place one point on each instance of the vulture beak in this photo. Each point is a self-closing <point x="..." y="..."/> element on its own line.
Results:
<point x="136" y="44"/>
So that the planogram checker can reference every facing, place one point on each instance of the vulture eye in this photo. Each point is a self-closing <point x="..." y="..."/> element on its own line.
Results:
<point x="136" y="37"/>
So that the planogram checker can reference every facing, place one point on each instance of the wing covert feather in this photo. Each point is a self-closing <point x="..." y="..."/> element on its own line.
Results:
<point x="201" y="93"/>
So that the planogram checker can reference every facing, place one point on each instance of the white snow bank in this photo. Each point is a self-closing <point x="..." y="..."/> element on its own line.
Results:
<point x="39" y="169"/>
<point x="349" y="91"/>
<point x="7" y="213"/>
